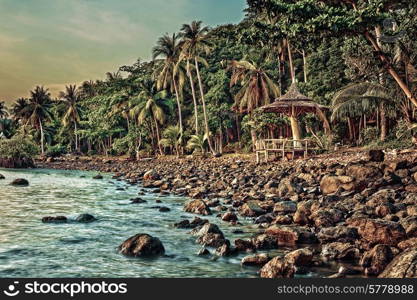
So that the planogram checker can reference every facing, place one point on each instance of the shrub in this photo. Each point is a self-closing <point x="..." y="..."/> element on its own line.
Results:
<point x="55" y="151"/>
<point x="18" y="147"/>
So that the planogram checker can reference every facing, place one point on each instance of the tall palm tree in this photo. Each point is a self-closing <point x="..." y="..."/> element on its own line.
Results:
<point x="170" y="75"/>
<point x="3" y="110"/>
<point x="38" y="110"/>
<point x="71" y="99"/>
<point x="196" y="42"/>
<point x="151" y="104"/>
<point x="19" y="109"/>
<point x="257" y="87"/>
<point x="359" y="99"/>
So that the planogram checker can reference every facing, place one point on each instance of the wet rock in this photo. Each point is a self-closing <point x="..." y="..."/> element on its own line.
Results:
<point x="326" y="217"/>
<point x="207" y="228"/>
<point x="339" y="233"/>
<point x="183" y="224"/>
<point x="267" y="218"/>
<point x="142" y="245"/>
<point x="58" y="219"/>
<point x="290" y="235"/>
<point x="224" y="250"/>
<point x="403" y="265"/>
<point x="375" y="260"/>
<point x="2" y="177"/>
<point x="340" y="251"/>
<point x="98" y="176"/>
<point x="85" y="218"/>
<point x="197" y="207"/>
<point x="255" y="260"/>
<point x="265" y="242"/>
<point x="229" y="217"/>
<point x="214" y="240"/>
<point x="151" y="175"/>
<point x="376" y="155"/>
<point x="251" y="209"/>
<point x="277" y="268"/>
<point x="285" y="207"/>
<point x="20" y="182"/>
<point x="300" y="257"/>
<point x="164" y="209"/>
<point x="203" y="252"/>
<point x="244" y="245"/>
<point x="331" y="184"/>
<point x="379" y="231"/>
<point x="137" y="201"/>
<point x="283" y="220"/>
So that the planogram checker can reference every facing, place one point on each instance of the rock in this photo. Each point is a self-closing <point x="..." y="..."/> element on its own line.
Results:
<point x="339" y="233"/>
<point x="224" y="250"/>
<point x="290" y="235"/>
<point x="151" y="175"/>
<point x="251" y="209"/>
<point x="331" y="184"/>
<point x="326" y="217"/>
<point x="378" y="231"/>
<point x="255" y="260"/>
<point x="265" y="242"/>
<point x="375" y="260"/>
<point x="58" y="219"/>
<point x="277" y="268"/>
<point x="183" y="224"/>
<point x="98" y="176"/>
<point x="376" y="155"/>
<point x="287" y="187"/>
<point x="267" y="218"/>
<point x="340" y="251"/>
<point x="229" y="217"/>
<point x="362" y="172"/>
<point x="137" y="201"/>
<point x="2" y="177"/>
<point x="142" y="245"/>
<point x="403" y="265"/>
<point x="285" y="207"/>
<point x="203" y="251"/>
<point x="283" y="220"/>
<point x="244" y="245"/>
<point x="300" y="257"/>
<point x="207" y="228"/>
<point x="20" y="182"/>
<point x="407" y="243"/>
<point x="197" y="207"/>
<point x="214" y="240"/>
<point x="300" y="217"/>
<point x="85" y="218"/>
<point x="164" y="209"/>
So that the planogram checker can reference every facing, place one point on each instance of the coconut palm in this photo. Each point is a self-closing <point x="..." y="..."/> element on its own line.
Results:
<point x="360" y="99"/>
<point x="170" y="74"/>
<point x="196" y="43"/>
<point x="172" y="137"/>
<point x="3" y="110"/>
<point x="152" y="103"/>
<point x="71" y="99"/>
<point x="197" y="142"/>
<point x="38" y="110"/>
<point x="19" y="108"/>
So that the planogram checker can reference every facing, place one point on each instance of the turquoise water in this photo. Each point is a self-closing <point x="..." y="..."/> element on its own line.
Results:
<point x="30" y="248"/>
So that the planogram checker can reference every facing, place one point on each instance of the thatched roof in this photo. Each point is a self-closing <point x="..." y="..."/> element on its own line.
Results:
<point x="293" y="102"/>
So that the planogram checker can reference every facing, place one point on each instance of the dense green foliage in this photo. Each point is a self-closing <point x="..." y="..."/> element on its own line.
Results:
<point x="203" y="88"/>
<point x="17" y="147"/>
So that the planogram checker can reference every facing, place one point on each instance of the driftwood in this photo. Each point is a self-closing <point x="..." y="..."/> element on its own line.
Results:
<point x="16" y="163"/>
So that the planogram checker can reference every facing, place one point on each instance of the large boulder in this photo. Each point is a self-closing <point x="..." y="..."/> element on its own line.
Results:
<point x="375" y="260"/>
<point x="142" y="245"/>
<point x="376" y="155"/>
<point x="340" y="233"/>
<point x="363" y="172"/>
<point x="290" y="235"/>
<point x="403" y="265"/>
<point x="151" y="175"/>
<point x="331" y="184"/>
<point x="255" y="260"/>
<point x="300" y="257"/>
<point x="278" y="267"/>
<point x="285" y="207"/>
<point x="340" y="251"/>
<point x="378" y="231"/>
<point x="197" y="207"/>
<point x="251" y="209"/>
<point x="85" y="218"/>
<point x="20" y="182"/>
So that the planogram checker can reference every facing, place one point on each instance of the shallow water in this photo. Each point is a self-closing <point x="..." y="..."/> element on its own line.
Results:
<point x="30" y="248"/>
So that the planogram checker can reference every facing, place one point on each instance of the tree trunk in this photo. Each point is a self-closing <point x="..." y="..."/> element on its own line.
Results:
<point x="42" y="137"/>
<point x="295" y="128"/>
<point x="383" y="123"/>
<point x="179" y="106"/>
<point x="291" y="61"/>
<point x="158" y="137"/>
<point x="190" y="75"/>
<point x="204" y="106"/>
<point x="305" y="65"/>
<point x="383" y="119"/>
<point x="390" y="69"/>
<point x="76" y="135"/>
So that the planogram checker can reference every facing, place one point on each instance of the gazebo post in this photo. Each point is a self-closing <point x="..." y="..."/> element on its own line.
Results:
<point x="295" y="128"/>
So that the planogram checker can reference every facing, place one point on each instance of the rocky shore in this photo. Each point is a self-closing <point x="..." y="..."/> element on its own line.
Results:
<point x="357" y="207"/>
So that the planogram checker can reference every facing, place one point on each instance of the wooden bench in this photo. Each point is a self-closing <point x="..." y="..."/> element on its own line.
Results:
<point x="283" y="147"/>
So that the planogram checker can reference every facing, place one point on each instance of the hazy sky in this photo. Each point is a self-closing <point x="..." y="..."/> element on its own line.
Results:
<point x="57" y="42"/>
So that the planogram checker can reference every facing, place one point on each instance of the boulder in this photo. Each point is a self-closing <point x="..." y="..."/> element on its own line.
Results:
<point x="229" y="217"/>
<point x="408" y="243"/>
<point x="340" y="233"/>
<point x="284" y="207"/>
<point x="326" y="217"/>
<point x="255" y="260"/>
<point x="85" y="218"/>
<point x="277" y="268"/>
<point x="265" y="242"/>
<point x="224" y="250"/>
<point x="378" y="231"/>
<point x="98" y="176"/>
<point x="362" y="172"/>
<point x="142" y="245"/>
<point x="374" y="261"/>
<point x="403" y="265"/>
<point x="340" y="251"/>
<point x="376" y="155"/>
<point x="244" y="245"/>
<point x="287" y="188"/>
<point x="331" y="184"/>
<point x="207" y="228"/>
<point x="290" y="235"/>
<point x="20" y="182"/>
<point x="300" y="257"/>
<point x="251" y="209"/>
<point x="197" y="207"/>
<point x="58" y="219"/>
<point x="2" y="177"/>
<point x="214" y="240"/>
<point x="151" y="175"/>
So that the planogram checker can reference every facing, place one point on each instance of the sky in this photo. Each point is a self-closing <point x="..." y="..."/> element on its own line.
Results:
<point x="59" y="42"/>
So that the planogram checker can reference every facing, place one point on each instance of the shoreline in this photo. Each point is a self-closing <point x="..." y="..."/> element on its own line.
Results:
<point x="350" y="209"/>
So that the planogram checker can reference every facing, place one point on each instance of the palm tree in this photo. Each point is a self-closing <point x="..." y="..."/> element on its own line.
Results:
<point x="71" y="98"/>
<point x="38" y="110"/>
<point x="170" y="75"/>
<point x="257" y="87"/>
<point x="359" y="99"/>
<point x="196" y="42"/>
<point x="19" y="108"/>
<point x="3" y="110"/>
<point x="151" y="104"/>
<point x="197" y="142"/>
<point x="172" y="138"/>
